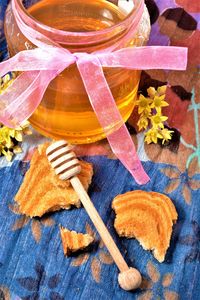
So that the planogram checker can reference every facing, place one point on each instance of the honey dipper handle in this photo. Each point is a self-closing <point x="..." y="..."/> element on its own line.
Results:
<point x="66" y="165"/>
<point x="100" y="226"/>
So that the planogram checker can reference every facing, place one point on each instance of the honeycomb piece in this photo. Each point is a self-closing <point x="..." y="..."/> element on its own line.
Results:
<point x="42" y="191"/>
<point x="73" y="241"/>
<point x="146" y="216"/>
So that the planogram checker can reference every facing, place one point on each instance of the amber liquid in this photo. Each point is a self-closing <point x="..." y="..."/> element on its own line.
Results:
<point x="65" y="111"/>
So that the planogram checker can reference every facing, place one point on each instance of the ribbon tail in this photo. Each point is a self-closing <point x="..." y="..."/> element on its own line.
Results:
<point x="109" y="117"/>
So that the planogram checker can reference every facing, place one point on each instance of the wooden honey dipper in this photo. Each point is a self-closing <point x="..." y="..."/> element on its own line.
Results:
<point x="67" y="166"/>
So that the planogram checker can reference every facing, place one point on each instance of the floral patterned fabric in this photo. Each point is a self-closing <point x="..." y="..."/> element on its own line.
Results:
<point x="32" y="264"/>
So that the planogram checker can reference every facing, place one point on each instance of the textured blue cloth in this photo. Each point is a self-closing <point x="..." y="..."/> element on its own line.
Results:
<point x="32" y="261"/>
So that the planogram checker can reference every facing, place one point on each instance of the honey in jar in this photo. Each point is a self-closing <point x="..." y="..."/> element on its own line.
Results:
<point x="65" y="111"/>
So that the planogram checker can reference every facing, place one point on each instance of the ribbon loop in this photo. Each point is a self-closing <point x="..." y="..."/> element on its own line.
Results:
<point x="145" y="58"/>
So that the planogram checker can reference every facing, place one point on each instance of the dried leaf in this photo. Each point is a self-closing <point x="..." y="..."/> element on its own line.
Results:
<point x="153" y="272"/>
<point x="47" y="221"/>
<point x="170" y="172"/>
<point x="194" y="184"/>
<point x="105" y="258"/>
<point x="89" y="230"/>
<point x="20" y="223"/>
<point x="186" y="194"/>
<point x="80" y="260"/>
<point x="145" y="296"/>
<point x="96" y="269"/>
<point x="36" y="230"/>
<point x="167" y="279"/>
<point x="146" y="284"/>
<point x="169" y="295"/>
<point x="14" y="208"/>
<point x="172" y="186"/>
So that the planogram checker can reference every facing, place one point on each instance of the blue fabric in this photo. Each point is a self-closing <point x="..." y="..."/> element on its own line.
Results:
<point x="37" y="269"/>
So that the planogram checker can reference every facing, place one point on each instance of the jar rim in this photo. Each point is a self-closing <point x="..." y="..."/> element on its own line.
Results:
<point x="133" y="16"/>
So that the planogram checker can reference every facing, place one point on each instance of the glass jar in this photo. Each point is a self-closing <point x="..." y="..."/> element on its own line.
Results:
<point x="87" y="26"/>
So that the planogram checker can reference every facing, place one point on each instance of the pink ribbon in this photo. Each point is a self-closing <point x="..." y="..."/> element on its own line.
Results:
<point x="42" y="64"/>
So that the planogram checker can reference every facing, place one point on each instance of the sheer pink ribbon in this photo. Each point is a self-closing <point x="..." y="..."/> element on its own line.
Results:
<point x="42" y="64"/>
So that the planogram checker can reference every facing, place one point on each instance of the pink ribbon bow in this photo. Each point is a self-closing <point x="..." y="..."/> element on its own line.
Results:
<point x="42" y="64"/>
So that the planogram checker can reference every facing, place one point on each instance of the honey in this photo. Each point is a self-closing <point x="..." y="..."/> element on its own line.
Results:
<point x="65" y="111"/>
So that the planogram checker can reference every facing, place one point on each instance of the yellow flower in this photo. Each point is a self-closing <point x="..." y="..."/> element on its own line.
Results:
<point x="144" y="104"/>
<point x="142" y="123"/>
<point x="166" y="135"/>
<point x="152" y="135"/>
<point x="146" y="114"/>
<point x="150" y="111"/>
<point x="157" y="120"/>
<point x="5" y="82"/>
<point x="158" y="103"/>
<point x="162" y="90"/>
<point x="8" y="154"/>
<point x="18" y="135"/>
<point x="9" y="138"/>
<point x="151" y="92"/>
<point x="6" y="78"/>
<point x="17" y="149"/>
